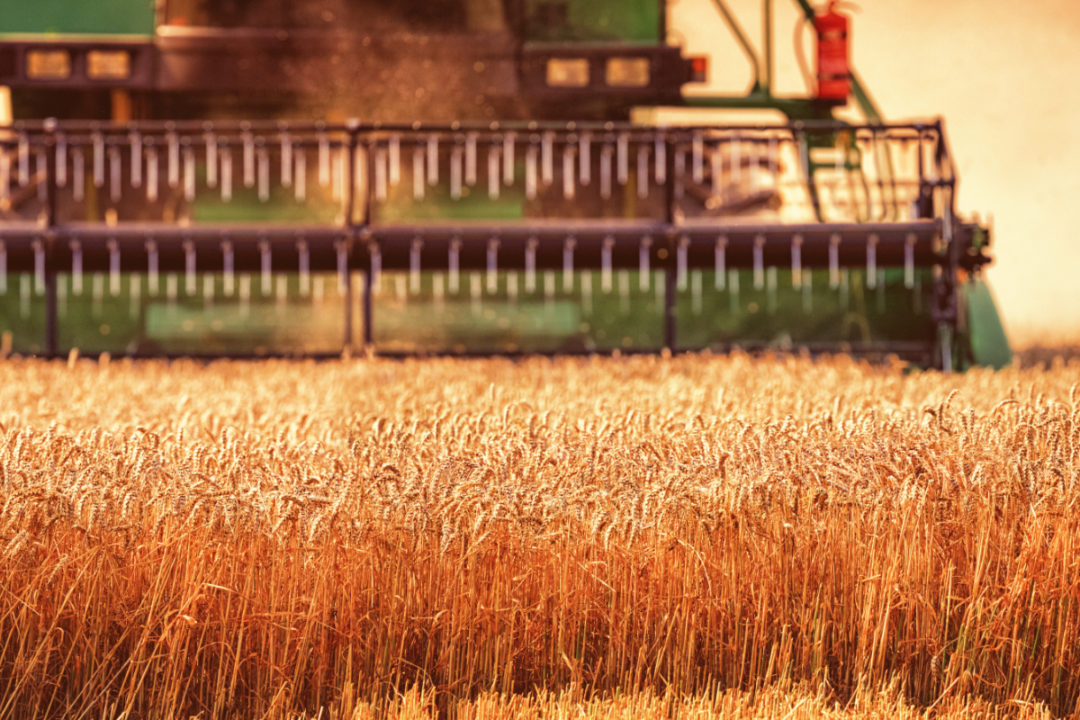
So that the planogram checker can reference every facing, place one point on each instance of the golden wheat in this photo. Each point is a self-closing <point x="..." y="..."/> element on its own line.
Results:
<point x="690" y="537"/>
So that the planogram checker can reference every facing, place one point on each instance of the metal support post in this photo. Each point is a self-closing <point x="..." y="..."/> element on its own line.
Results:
<point x="670" y="268"/>
<point x="52" y="332"/>
<point x="350" y="231"/>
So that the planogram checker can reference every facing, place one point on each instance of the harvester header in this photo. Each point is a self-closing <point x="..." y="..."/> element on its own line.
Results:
<point x="189" y="234"/>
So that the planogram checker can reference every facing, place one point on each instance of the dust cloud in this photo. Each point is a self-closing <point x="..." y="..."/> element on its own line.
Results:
<point x="1003" y="74"/>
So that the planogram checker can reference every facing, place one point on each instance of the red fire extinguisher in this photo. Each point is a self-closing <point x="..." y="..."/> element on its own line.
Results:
<point x="833" y="68"/>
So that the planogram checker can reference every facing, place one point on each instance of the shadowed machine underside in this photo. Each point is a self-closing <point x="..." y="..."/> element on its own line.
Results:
<point x="174" y="226"/>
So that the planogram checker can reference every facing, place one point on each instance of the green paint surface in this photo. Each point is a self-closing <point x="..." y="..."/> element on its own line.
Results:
<point x="77" y="17"/>
<point x="628" y="21"/>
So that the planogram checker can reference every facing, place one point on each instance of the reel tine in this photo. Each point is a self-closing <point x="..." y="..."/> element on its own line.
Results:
<point x="660" y="159"/>
<point x="189" y="174"/>
<point x="61" y="162"/>
<point x="605" y="264"/>
<point x="286" y="160"/>
<point x="76" y="267"/>
<point x="23" y="159"/>
<point x="455" y="173"/>
<point x="530" y="172"/>
<point x="622" y="160"/>
<point x="585" y="158"/>
<point x="381" y="176"/>
<point x="733" y="291"/>
<point x="172" y="143"/>
<point x="680" y="172"/>
<point x="695" y="292"/>
<point x="909" y="261"/>
<point x="509" y="140"/>
<point x="400" y="290"/>
<point x="375" y="258"/>
<point x="796" y="261"/>
<point x="3" y="268"/>
<point x="300" y="175"/>
<point x="41" y="170"/>
<point x="248" y="157"/>
<point x="265" y="265"/>
<point x="720" y="262"/>
<point x="568" y="263"/>
<point x="151" y="266"/>
<point x="5" y="177"/>
<point x="493" y="265"/>
<point x="262" y="161"/>
<point x="569" y="188"/>
<point x="394" y="150"/>
<point x="871" y="262"/>
<point x="834" y="261"/>
<point x="210" y="140"/>
<point x="414" y="265"/>
<point x="340" y="182"/>
<point x="324" y="159"/>
<point x="771" y="299"/>
<point x="226" y="173"/>
<point x="419" y="180"/>
<point x="530" y="265"/>
<point x="845" y="285"/>
<point x="494" y="172"/>
<point x="681" y="263"/>
<point x="547" y="158"/>
<point x="470" y="159"/>
<point x="342" y="251"/>
<point x="549" y="287"/>
<point x="98" y="143"/>
<point x="586" y="294"/>
<point x="171" y="289"/>
<point x="698" y="157"/>
<point x="228" y="268"/>
<point x="624" y="291"/>
<point x="115" y="178"/>
<point x="454" y="265"/>
<point x="433" y="159"/>
<point x="114" y="267"/>
<point x="759" y="262"/>
<point x="606" y="153"/>
<point x="39" y="266"/>
<point x="189" y="267"/>
<point x="77" y="178"/>
<point x="304" y="266"/>
<point x="644" y="272"/>
<point x="643" y="172"/>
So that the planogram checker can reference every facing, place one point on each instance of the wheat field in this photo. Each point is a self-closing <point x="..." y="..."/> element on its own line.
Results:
<point x="691" y="537"/>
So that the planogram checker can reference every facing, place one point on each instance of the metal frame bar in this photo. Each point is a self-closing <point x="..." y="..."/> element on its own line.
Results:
<point x="939" y="241"/>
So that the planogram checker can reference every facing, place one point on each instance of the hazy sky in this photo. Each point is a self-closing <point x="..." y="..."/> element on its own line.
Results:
<point x="1006" y="77"/>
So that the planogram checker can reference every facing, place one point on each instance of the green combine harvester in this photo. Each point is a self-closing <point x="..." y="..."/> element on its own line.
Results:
<point x="272" y="177"/>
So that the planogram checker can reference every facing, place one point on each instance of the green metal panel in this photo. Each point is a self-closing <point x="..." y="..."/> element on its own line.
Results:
<point x="626" y="21"/>
<point x="77" y="17"/>
<point x="989" y="344"/>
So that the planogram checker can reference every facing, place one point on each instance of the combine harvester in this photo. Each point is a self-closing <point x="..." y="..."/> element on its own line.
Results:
<point x="493" y="196"/>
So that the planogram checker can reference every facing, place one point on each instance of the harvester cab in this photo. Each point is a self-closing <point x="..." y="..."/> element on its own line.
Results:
<point x="464" y="178"/>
